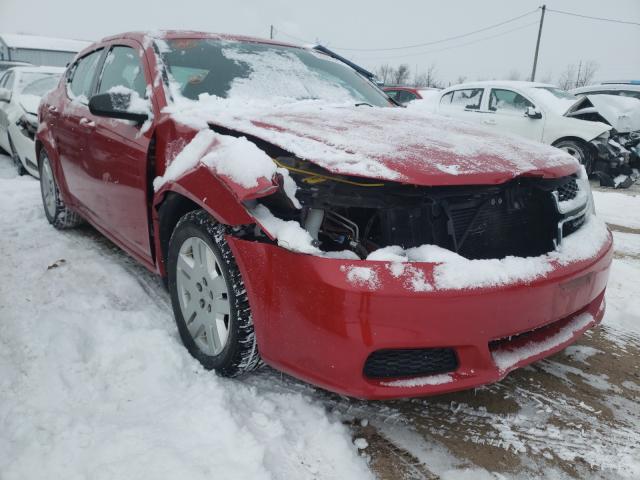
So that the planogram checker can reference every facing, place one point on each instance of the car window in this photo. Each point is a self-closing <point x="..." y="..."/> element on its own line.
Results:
<point x="468" y="98"/>
<point x="507" y="101"/>
<point x="405" y="96"/>
<point x="81" y="76"/>
<point x="446" y="98"/>
<point x="392" y="93"/>
<point x="8" y="80"/>
<point x="41" y="86"/>
<point x="122" y="67"/>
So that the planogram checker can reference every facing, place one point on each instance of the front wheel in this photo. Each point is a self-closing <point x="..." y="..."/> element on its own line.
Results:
<point x="55" y="210"/>
<point x="208" y="296"/>
<point x="579" y="150"/>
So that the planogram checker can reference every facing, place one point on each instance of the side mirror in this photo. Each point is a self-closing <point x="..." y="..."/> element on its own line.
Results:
<point x="118" y="105"/>
<point x="5" y="95"/>
<point x="532" y="112"/>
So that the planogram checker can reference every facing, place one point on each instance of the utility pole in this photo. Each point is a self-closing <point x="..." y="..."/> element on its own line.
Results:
<point x="271" y="33"/>
<point x="535" y="58"/>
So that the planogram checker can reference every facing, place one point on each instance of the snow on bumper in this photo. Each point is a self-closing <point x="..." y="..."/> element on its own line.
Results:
<point x="319" y="319"/>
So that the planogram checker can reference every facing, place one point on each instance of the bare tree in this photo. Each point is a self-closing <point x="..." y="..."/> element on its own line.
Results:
<point x="578" y="75"/>
<point x="401" y="74"/>
<point x="461" y="79"/>
<point x="385" y="73"/>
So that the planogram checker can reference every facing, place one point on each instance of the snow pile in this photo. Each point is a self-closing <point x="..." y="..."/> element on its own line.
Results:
<point x="618" y="208"/>
<point x="420" y="381"/>
<point x="506" y="359"/>
<point x="372" y="142"/>
<point x="237" y="159"/>
<point x="362" y="276"/>
<point x="288" y="233"/>
<point x="95" y="383"/>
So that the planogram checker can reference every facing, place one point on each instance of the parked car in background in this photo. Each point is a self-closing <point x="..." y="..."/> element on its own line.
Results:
<point x="404" y="95"/>
<point x="624" y="88"/>
<point x="21" y="89"/>
<point x="293" y="216"/>
<point x="7" y="64"/>
<point x="540" y="112"/>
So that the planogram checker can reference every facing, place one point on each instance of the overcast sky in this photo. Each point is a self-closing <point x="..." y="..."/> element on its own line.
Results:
<point x="359" y="24"/>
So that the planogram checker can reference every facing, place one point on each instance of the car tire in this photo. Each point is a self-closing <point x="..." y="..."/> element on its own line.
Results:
<point x="208" y="296"/>
<point x="55" y="210"/>
<point x="16" y="159"/>
<point x="579" y="150"/>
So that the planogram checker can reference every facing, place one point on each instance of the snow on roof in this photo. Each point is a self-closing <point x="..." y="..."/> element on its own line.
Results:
<point x="35" y="42"/>
<point x="500" y="83"/>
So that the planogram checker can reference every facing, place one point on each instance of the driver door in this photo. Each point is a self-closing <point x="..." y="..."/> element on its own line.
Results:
<point x="506" y="112"/>
<point x="118" y="154"/>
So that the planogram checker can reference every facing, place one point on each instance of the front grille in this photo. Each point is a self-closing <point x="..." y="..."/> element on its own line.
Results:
<point x="410" y="362"/>
<point x="568" y="191"/>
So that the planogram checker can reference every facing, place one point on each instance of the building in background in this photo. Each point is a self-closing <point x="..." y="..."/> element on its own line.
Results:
<point x="36" y="50"/>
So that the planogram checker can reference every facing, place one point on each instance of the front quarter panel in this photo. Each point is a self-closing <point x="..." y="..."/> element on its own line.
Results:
<point x="558" y="126"/>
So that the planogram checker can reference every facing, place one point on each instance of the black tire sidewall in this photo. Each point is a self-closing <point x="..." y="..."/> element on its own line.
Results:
<point x="582" y="148"/>
<point x="222" y="362"/>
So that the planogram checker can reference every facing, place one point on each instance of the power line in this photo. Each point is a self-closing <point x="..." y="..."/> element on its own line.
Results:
<point x="293" y="37"/>
<point x="521" y="27"/>
<point x="593" y="18"/>
<point x="437" y="41"/>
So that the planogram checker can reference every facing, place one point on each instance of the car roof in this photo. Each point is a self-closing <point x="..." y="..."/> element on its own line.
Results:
<point x="141" y="36"/>
<point x="607" y="86"/>
<point x="499" y="83"/>
<point x="32" y="69"/>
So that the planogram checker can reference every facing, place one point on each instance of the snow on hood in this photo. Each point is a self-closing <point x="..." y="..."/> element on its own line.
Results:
<point x="387" y="143"/>
<point x="29" y="103"/>
<point x="623" y="113"/>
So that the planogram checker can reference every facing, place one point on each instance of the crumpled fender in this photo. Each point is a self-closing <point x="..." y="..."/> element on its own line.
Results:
<point x="221" y="198"/>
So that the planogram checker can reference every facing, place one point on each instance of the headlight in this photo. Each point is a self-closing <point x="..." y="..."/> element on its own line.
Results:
<point x="28" y="124"/>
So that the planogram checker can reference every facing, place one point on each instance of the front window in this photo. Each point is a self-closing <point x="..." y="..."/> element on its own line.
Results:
<point x="230" y="69"/>
<point x="122" y="68"/>
<point x="554" y="99"/>
<point x="507" y="101"/>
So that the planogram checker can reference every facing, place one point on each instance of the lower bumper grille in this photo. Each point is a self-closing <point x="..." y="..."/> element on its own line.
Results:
<point x="410" y="362"/>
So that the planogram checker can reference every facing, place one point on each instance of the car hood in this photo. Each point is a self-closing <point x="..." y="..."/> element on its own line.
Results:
<point x="29" y="103"/>
<point x="622" y="113"/>
<point x="386" y="143"/>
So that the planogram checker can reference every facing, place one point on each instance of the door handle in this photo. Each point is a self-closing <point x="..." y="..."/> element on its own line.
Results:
<point x="85" y="122"/>
<point x="489" y="122"/>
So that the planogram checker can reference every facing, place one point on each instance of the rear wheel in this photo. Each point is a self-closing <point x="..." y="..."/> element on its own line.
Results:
<point x="579" y="150"/>
<point x="54" y="208"/>
<point x="16" y="159"/>
<point x="208" y="296"/>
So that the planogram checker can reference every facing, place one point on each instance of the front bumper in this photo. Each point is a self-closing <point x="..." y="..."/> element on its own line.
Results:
<point x="314" y="324"/>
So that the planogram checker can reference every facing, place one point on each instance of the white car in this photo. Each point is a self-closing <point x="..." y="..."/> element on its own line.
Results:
<point x="533" y="110"/>
<point x="21" y="89"/>
<point x="628" y="88"/>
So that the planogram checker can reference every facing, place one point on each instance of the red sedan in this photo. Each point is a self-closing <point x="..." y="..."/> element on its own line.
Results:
<point x="301" y="219"/>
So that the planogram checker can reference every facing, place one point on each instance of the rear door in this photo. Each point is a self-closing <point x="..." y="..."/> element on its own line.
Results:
<point x="73" y="131"/>
<point x="463" y="104"/>
<point x="118" y="153"/>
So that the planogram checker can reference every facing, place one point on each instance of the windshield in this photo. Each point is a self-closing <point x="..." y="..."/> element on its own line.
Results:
<point x="26" y="78"/>
<point x="41" y="86"/>
<point x="553" y="98"/>
<point x="229" y="69"/>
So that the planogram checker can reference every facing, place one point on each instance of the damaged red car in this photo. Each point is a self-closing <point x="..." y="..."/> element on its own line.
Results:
<point x="301" y="220"/>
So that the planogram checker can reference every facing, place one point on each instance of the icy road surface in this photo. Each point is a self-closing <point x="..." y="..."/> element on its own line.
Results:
<point x="94" y="384"/>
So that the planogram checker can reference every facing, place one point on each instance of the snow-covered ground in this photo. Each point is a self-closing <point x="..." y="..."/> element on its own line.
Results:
<point x="94" y="384"/>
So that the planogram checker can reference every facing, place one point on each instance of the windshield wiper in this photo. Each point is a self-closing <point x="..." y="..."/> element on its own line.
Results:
<point x="363" y="103"/>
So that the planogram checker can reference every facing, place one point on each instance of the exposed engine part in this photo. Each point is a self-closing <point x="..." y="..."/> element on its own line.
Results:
<point x="524" y="217"/>
<point x="315" y="216"/>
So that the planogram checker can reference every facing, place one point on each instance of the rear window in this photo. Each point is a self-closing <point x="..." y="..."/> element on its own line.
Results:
<point x="463" y="99"/>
